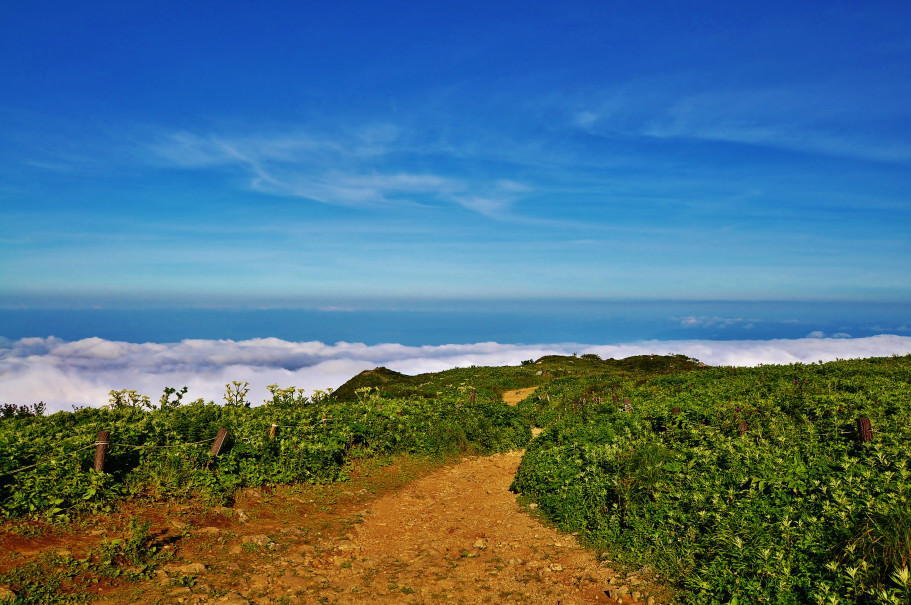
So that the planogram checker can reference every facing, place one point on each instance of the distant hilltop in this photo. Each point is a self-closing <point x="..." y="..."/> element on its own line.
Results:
<point x="530" y="373"/>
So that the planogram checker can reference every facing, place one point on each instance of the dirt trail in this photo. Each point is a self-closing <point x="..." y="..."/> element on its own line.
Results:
<point x="455" y="535"/>
<point x="459" y="535"/>
<point x="514" y="397"/>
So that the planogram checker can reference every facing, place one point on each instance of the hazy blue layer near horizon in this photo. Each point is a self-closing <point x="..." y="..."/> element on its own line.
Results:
<point x="76" y="357"/>
<point x="460" y="323"/>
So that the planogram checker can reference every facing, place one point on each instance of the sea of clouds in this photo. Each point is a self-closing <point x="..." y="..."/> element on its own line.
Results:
<point x="83" y="372"/>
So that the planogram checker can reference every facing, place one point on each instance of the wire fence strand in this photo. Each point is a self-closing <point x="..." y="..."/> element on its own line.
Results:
<point x="111" y="444"/>
<point x="25" y="468"/>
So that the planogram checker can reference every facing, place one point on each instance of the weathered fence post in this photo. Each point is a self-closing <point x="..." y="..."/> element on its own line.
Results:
<point x="627" y="405"/>
<point x="101" y="448"/>
<point x="615" y="400"/>
<point x="219" y="441"/>
<point x="864" y="431"/>
<point x="273" y="430"/>
<point x="472" y="396"/>
<point x="743" y="428"/>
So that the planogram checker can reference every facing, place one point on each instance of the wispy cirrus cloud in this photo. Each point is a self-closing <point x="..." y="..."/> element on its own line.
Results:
<point x="64" y="373"/>
<point x="811" y="119"/>
<point x="373" y="167"/>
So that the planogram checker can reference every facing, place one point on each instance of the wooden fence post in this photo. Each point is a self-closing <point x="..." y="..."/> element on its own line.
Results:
<point x="101" y="448"/>
<point x="864" y="431"/>
<point x="743" y="428"/>
<point x="472" y="396"/>
<point x="627" y="405"/>
<point x="219" y="441"/>
<point x="272" y="431"/>
<point x="615" y="400"/>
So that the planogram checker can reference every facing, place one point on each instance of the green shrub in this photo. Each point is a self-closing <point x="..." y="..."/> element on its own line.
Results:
<point x="164" y="453"/>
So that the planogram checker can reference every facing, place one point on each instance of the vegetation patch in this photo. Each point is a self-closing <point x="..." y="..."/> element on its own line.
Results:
<point x="740" y="485"/>
<point x="777" y="484"/>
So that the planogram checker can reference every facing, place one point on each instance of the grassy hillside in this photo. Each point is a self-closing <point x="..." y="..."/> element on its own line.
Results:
<point x="739" y="485"/>
<point x="494" y="381"/>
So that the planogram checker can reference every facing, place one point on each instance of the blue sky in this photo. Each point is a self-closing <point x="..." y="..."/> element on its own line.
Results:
<point x="295" y="154"/>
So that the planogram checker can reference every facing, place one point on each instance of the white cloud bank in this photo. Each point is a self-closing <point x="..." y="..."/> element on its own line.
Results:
<point x="82" y="372"/>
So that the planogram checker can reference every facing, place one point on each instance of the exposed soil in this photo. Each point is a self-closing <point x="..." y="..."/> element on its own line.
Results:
<point x="407" y="532"/>
<point x="514" y="397"/>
